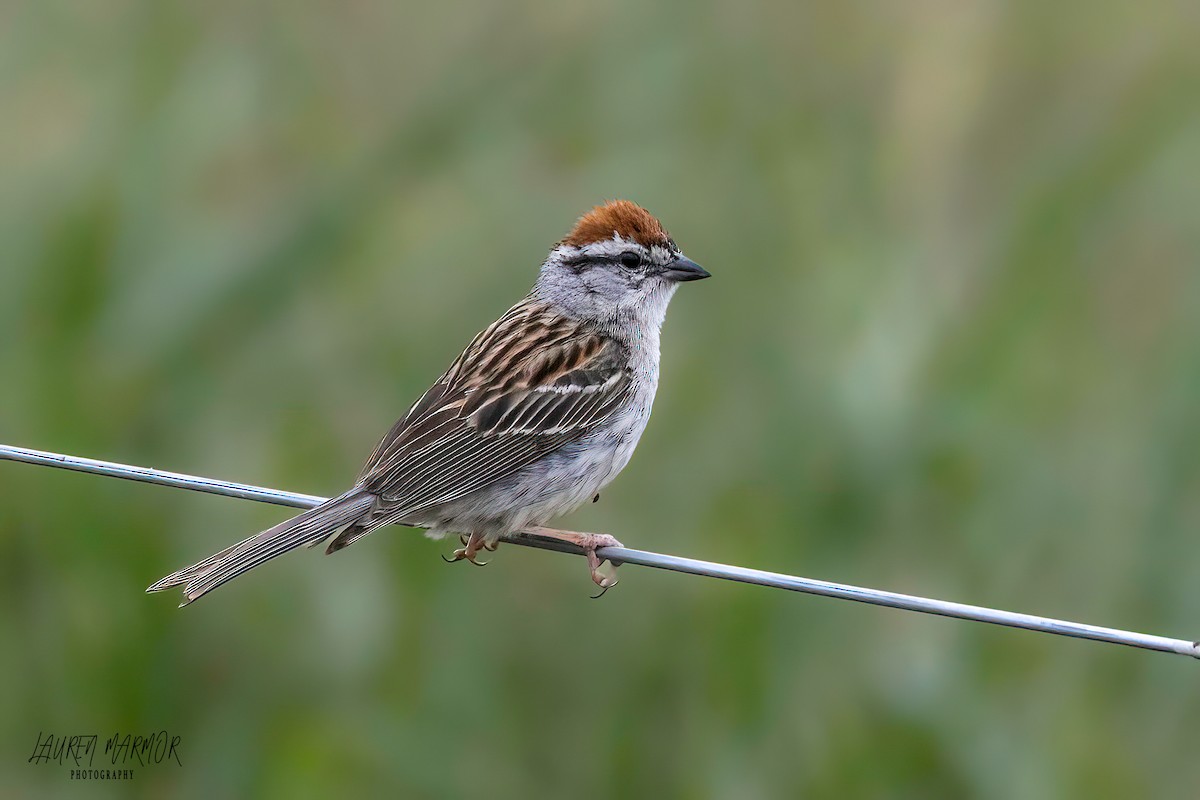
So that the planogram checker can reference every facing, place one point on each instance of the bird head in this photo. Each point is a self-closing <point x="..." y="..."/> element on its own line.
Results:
<point x="617" y="264"/>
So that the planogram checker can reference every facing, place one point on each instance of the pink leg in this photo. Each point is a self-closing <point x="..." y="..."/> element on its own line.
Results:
<point x="471" y="547"/>
<point x="589" y="543"/>
<point x="491" y="548"/>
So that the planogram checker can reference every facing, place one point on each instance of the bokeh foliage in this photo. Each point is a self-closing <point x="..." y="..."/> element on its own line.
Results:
<point x="952" y="347"/>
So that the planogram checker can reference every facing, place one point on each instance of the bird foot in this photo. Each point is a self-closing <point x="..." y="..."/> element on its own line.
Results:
<point x="470" y="549"/>
<point x="483" y="543"/>
<point x="589" y="543"/>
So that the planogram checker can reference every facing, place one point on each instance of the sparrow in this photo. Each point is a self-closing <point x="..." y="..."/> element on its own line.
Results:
<point x="539" y="412"/>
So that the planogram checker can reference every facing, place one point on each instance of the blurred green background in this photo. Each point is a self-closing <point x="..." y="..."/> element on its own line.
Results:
<point x="952" y="347"/>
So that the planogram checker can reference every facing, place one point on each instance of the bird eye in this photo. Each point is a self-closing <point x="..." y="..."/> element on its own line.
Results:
<point x="630" y="260"/>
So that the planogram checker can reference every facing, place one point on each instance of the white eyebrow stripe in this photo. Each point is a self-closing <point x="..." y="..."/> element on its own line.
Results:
<point x="611" y="248"/>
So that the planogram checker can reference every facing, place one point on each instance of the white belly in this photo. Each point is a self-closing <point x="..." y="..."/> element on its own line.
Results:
<point x="556" y="485"/>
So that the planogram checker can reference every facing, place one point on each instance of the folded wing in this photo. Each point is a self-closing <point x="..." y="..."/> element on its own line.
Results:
<point x="523" y="388"/>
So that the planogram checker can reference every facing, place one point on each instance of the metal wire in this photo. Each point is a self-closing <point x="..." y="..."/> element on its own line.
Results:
<point x="625" y="555"/>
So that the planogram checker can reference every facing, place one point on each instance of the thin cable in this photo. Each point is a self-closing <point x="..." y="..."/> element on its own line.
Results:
<point x="625" y="555"/>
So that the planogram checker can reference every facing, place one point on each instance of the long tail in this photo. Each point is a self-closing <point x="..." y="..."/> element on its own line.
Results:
<point x="309" y="528"/>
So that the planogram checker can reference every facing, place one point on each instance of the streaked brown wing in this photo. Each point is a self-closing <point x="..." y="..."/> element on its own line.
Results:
<point x="526" y="386"/>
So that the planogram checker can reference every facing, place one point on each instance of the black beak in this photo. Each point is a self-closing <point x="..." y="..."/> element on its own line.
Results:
<point x="684" y="269"/>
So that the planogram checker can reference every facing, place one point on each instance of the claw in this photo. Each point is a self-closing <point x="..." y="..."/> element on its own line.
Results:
<point x="468" y="553"/>
<point x="605" y="584"/>
<point x="465" y="552"/>
<point x="589" y="543"/>
<point x="603" y="581"/>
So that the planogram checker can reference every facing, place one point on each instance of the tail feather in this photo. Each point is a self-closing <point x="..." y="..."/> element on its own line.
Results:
<point x="187" y="573"/>
<point x="310" y="527"/>
<point x="349" y="536"/>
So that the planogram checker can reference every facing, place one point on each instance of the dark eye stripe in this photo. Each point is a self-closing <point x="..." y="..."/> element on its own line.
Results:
<point x="582" y="262"/>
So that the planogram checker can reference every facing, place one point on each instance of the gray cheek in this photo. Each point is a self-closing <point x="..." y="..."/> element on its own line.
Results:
<point x="629" y="282"/>
<point x="605" y="284"/>
<point x="593" y="286"/>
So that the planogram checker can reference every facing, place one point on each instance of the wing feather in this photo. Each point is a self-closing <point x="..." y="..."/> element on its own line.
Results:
<point x="528" y="385"/>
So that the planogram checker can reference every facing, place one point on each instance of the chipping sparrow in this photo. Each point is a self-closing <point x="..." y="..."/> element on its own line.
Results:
<point x="541" y="411"/>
